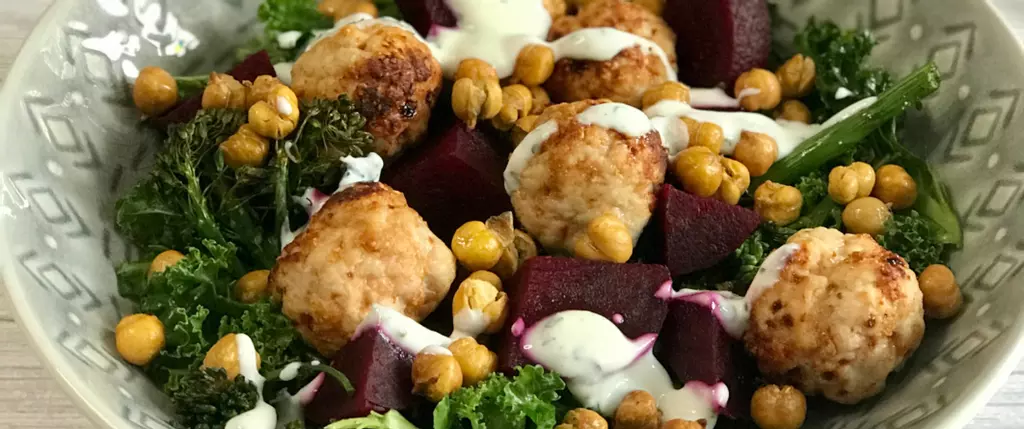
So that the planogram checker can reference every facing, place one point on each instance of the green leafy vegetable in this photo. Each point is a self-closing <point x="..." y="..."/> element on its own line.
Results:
<point x="210" y="398"/>
<point x="329" y="130"/>
<point x="388" y="8"/>
<point x="189" y="86"/>
<point x="526" y="400"/>
<point x="390" y="420"/>
<point x="813" y="188"/>
<point x="915" y="238"/>
<point x="292" y="15"/>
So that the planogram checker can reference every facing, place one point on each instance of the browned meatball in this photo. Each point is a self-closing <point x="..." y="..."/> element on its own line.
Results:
<point x="844" y="313"/>
<point x="584" y="171"/>
<point x="388" y="71"/>
<point x="625" y="77"/>
<point x="365" y="246"/>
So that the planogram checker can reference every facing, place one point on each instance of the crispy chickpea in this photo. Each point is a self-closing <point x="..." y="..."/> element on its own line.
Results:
<point x="796" y="76"/>
<point x="339" y="9"/>
<point x="224" y="355"/>
<point x="778" y="203"/>
<point x="638" y="410"/>
<point x="582" y="418"/>
<point x="534" y="65"/>
<point x="699" y="170"/>
<point x="606" y="238"/>
<point x="435" y="375"/>
<point x="758" y="89"/>
<point x="866" y="215"/>
<point x="277" y="115"/>
<point x="245" y="148"/>
<point x="848" y="183"/>
<point x="707" y="134"/>
<point x="669" y="90"/>
<point x="155" y="91"/>
<point x="475" y="360"/>
<point x="512" y="257"/>
<point x="942" y="297"/>
<point x="517" y="101"/>
<point x="523" y="127"/>
<point x="774" y="407"/>
<point x="793" y="110"/>
<point x="757" y="151"/>
<point x="541" y="100"/>
<point x="164" y="261"/>
<point x="473" y="100"/>
<point x="894" y="185"/>
<point x="252" y="286"/>
<point x="476" y="247"/>
<point x="488" y="277"/>
<point x="475" y="69"/>
<point x="735" y="181"/>
<point x="139" y="338"/>
<point x="681" y="424"/>
<point x="224" y="92"/>
<point x="260" y="89"/>
<point x="525" y="245"/>
<point x="483" y="296"/>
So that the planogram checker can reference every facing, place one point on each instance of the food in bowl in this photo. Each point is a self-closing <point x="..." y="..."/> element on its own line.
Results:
<point x="513" y="214"/>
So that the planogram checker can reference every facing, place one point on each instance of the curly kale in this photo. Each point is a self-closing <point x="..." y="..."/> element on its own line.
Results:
<point x="813" y="188"/>
<point x="524" y="401"/>
<point x="210" y="397"/>
<point x="292" y="15"/>
<point x="914" y="237"/>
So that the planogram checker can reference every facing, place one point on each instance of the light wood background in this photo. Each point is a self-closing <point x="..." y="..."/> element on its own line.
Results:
<point x="29" y="398"/>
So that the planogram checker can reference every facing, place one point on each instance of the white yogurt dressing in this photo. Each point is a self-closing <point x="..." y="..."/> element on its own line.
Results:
<point x="469" y="323"/>
<point x="623" y="118"/>
<point x="522" y="154"/>
<point x="602" y="366"/>
<point x="712" y="98"/>
<point x="436" y="350"/>
<point x="288" y="39"/>
<point x="284" y="72"/>
<point x="262" y="416"/>
<point x="289" y="407"/>
<point x="842" y="93"/>
<point x="290" y="371"/>
<point x="405" y="332"/>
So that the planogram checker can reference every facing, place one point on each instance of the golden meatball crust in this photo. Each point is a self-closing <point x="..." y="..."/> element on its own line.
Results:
<point x="390" y="74"/>
<point x="625" y="77"/>
<point x="843" y="315"/>
<point x="584" y="171"/>
<point x="365" y="246"/>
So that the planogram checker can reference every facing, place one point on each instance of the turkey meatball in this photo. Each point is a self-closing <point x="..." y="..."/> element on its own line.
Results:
<point x="365" y="246"/>
<point x="581" y="172"/>
<point x="625" y="77"/>
<point x="388" y="71"/>
<point x="844" y="313"/>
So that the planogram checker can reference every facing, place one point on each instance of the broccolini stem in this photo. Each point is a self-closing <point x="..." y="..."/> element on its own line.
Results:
<point x="281" y="188"/>
<point x="848" y="133"/>
<point x="191" y="85"/>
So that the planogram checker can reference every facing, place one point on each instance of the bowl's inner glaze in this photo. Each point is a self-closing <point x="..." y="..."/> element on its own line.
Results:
<point x="73" y="145"/>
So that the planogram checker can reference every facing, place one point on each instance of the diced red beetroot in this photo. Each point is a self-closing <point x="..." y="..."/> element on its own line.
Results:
<point x="452" y="179"/>
<point x="691" y="233"/>
<point x="719" y="39"/>
<point x="250" y="68"/>
<point x="624" y="293"/>
<point x="426" y="14"/>
<point x="381" y="373"/>
<point x="695" y="347"/>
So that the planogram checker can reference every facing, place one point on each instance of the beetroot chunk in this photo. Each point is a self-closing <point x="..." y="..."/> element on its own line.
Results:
<point x="454" y="178"/>
<point x="381" y="373"/>
<point x="426" y="14"/>
<point x="692" y="233"/>
<point x="719" y="39"/>
<point x="624" y="293"/>
<point x="695" y="347"/>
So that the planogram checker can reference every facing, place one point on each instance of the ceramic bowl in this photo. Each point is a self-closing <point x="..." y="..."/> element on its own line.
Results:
<point x="72" y="144"/>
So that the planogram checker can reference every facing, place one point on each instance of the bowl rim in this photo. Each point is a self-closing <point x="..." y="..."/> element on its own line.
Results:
<point x="991" y="381"/>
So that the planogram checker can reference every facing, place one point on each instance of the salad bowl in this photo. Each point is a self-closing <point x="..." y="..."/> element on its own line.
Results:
<point x="74" y="145"/>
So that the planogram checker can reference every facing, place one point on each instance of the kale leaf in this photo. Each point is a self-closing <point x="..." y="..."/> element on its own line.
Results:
<point x="813" y="188"/>
<point x="500" y="402"/>
<point x="292" y="15"/>
<point x="915" y="238"/>
<point x="210" y="397"/>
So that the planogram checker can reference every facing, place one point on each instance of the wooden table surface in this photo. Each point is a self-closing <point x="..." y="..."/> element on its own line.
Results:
<point x="29" y="398"/>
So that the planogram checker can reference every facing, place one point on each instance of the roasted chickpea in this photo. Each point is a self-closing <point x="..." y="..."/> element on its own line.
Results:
<point x="681" y="424"/>
<point x="669" y="90"/>
<point x="435" y="375"/>
<point x="155" y="91"/>
<point x="488" y="277"/>
<point x="846" y="184"/>
<point x="517" y="101"/>
<point x="699" y="170"/>
<point x="277" y="115"/>
<point x="758" y="89"/>
<point x="224" y="92"/>
<point x="513" y="256"/>
<point x="523" y="127"/>
<point x="582" y="418"/>
<point x="774" y="407"/>
<point x="224" y="355"/>
<point x="139" y="338"/>
<point x="793" y="110"/>
<point x="541" y="100"/>
<point x="866" y="215"/>
<point x="778" y="203"/>
<point x="260" y="89"/>
<point x="606" y="238"/>
<point x="534" y="65"/>
<point x="475" y="360"/>
<point x="252" y="286"/>
<point x="796" y="76"/>
<point x="475" y="69"/>
<point x="338" y="9"/>
<point x="942" y="297"/>
<point x="757" y="151"/>
<point x="476" y="99"/>
<point x="735" y="181"/>
<point x="245" y="148"/>
<point x="525" y="245"/>
<point x="477" y="295"/>
<point x="638" y="410"/>
<point x="707" y="134"/>
<point x="894" y="186"/>
<point x="164" y="261"/>
<point x="475" y="246"/>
